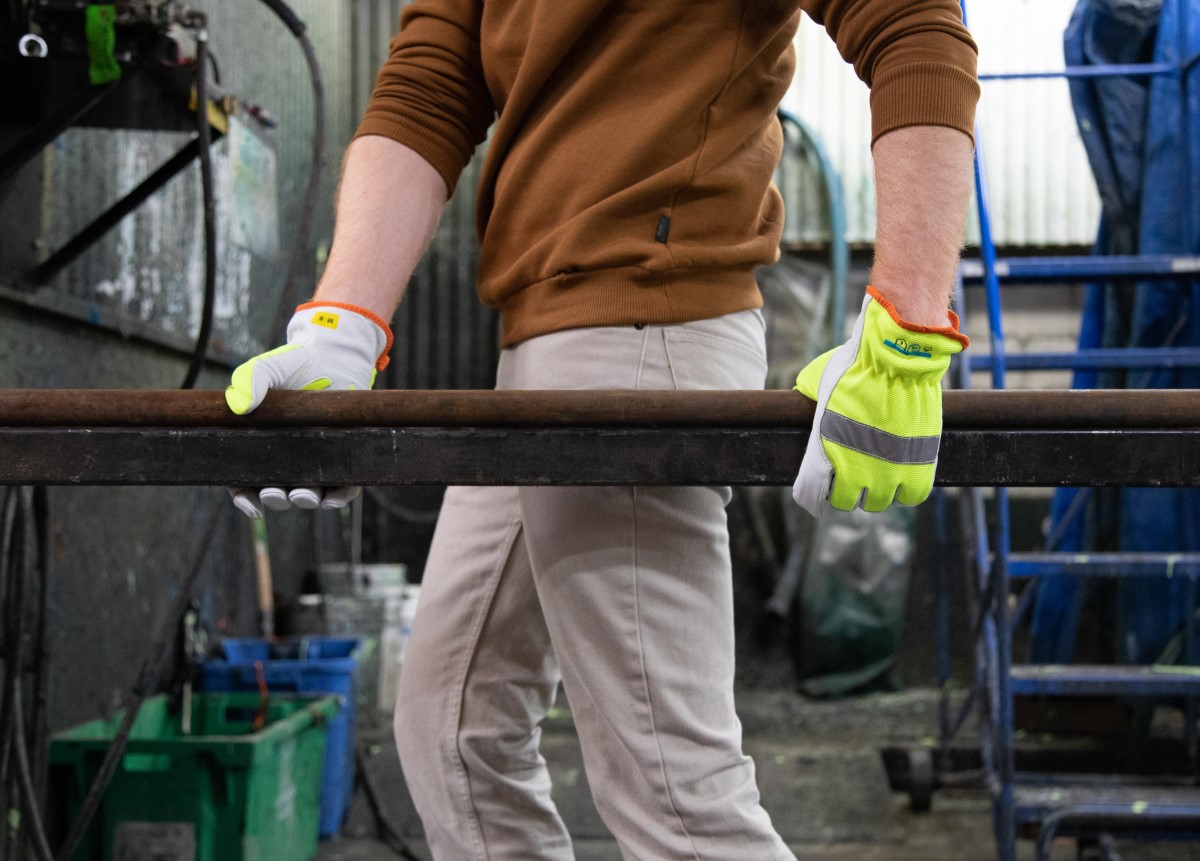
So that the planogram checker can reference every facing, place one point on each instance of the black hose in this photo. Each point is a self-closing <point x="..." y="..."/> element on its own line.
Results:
<point x="41" y="657"/>
<point x="400" y="512"/>
<point x="25" y="775"/>
<point x="15" y="734"/>
<point x="204" y="134"/>
<point x="8" y="791"/>
<point x="287" y="295"/>
<point x="289" y="18"/>
<point x="388" y="832"/>
<point x="147" y="680"/>
<point x="7" y="581"/>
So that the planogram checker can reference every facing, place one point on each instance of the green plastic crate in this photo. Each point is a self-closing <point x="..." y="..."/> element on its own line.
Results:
<point x="222" y="793"/>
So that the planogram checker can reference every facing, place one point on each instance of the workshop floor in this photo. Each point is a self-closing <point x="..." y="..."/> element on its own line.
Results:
<point x="821" y="778"/>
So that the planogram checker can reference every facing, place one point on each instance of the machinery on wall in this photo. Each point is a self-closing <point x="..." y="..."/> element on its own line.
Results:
<point x="140" y="65"/>
<point x="153" y="30"/>
<point x="79" y="63"/>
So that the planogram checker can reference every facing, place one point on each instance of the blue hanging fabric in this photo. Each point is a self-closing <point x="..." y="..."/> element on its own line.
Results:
<point x="1134" y="132"/>
<point x="1110" y="113"/>
<point x="1164" y="314"/>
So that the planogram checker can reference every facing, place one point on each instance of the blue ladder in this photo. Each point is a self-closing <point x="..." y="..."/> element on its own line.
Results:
<point x="1057" y="805"/>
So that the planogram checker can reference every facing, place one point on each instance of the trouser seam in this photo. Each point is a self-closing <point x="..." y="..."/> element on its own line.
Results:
<point x="637" y="613"/>
<point x="460" y="684"/>
<point x="645" y="678"/>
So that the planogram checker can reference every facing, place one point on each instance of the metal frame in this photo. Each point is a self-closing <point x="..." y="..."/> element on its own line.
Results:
<point x="567" y="437"/>
<point x="561" y="456"/>
<point x="26" y="148"/>
<point x="72" y="112"/>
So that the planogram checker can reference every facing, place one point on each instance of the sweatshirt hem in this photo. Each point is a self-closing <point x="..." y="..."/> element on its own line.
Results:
<point x="625" y="296"/>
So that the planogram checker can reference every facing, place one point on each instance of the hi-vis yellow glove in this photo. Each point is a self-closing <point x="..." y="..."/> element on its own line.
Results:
<point x="330" y="345"/>
<point x="878" y="423"/>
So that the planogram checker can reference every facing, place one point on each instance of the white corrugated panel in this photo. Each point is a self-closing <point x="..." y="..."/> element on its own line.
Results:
<point x="1041" y="186"/>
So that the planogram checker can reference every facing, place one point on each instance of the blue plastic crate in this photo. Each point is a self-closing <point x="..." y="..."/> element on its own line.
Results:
<point x="302" y="665"/>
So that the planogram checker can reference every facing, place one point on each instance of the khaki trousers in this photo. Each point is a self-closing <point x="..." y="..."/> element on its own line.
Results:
<point x="624" y="594"/>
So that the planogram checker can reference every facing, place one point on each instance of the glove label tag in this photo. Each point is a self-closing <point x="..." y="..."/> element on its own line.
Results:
<point x="326" y="318"/>
<point x="903" y="347"/>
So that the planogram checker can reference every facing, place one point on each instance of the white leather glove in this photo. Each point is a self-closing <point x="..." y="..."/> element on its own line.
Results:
<point x="330" y="345"/>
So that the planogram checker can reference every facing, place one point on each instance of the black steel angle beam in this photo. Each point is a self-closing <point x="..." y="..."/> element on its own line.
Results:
<point x="561" y="456"/>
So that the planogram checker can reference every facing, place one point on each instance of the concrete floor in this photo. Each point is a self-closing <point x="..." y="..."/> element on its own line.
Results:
<point x="821" y="778"/>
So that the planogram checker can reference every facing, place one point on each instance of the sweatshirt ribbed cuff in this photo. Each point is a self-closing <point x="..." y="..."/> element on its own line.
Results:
<point x="924" y="94"/>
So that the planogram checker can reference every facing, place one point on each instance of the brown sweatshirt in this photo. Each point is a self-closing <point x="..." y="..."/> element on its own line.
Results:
<point x="628" y="178"/>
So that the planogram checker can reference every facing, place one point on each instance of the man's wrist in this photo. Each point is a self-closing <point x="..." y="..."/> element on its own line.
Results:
<point x="920" y="306"/>
<point x="334" y="293"/>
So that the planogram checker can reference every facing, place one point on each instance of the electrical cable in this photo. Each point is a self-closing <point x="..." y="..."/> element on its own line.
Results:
<point x="16" y="656"/>
<point x="6" y="553"/>
<point x="287" y="298"/>
<point x="400" y="512"/>
<point x="32" y="803"/>
<point x="388" y="832"/>
<point x="8" y="790"/>
<point x="20" y="541"/>
<point x="41" y="658"/>
<point x="147" y="680"/>
<point x="204" y="135"/>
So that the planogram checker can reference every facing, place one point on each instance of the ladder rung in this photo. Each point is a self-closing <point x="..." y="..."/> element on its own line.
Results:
<point x="1022" y="565"/>
<point x="1029" y="270"/>
<point x="1131" y="806"/>
<point x="1134" y="357"/>
<point x="1102" y="680"/>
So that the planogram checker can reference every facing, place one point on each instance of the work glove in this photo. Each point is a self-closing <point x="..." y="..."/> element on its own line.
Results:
<point x="878" y="423"/>
<point x="330" y="345"/>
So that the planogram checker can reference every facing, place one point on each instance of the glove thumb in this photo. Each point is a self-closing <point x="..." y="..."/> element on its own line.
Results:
<point x="808" y="383"/>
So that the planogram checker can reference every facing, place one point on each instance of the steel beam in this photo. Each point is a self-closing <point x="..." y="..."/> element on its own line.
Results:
<point x="555" y="438"/>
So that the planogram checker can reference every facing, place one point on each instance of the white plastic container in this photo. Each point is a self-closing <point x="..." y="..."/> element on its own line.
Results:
<point x="392" y="645"/>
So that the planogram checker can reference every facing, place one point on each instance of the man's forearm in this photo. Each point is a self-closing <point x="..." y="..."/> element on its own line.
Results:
<point x="388" y="208"/>
<point x="923" y="180"/>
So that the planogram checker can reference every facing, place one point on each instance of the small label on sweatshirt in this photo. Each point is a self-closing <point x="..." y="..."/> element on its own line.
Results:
<point x="663" y="233"/>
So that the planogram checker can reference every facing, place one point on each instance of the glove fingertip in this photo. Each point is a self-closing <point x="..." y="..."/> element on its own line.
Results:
<point x="238" y="401"/>
<point x="308" y="498"/>
<point x="245" y="501"/>
<point x="339" y="497"/>
<point x="274" y="498"/>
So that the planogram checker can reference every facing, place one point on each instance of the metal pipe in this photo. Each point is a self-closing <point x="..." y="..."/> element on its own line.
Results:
<point x="1092" y="410"/>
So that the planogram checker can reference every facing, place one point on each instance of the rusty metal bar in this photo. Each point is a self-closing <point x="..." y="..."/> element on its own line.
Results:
<point x="985" y="410"/>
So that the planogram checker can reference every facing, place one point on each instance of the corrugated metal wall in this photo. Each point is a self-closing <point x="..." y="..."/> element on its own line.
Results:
<point x="1042" y="188"/>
